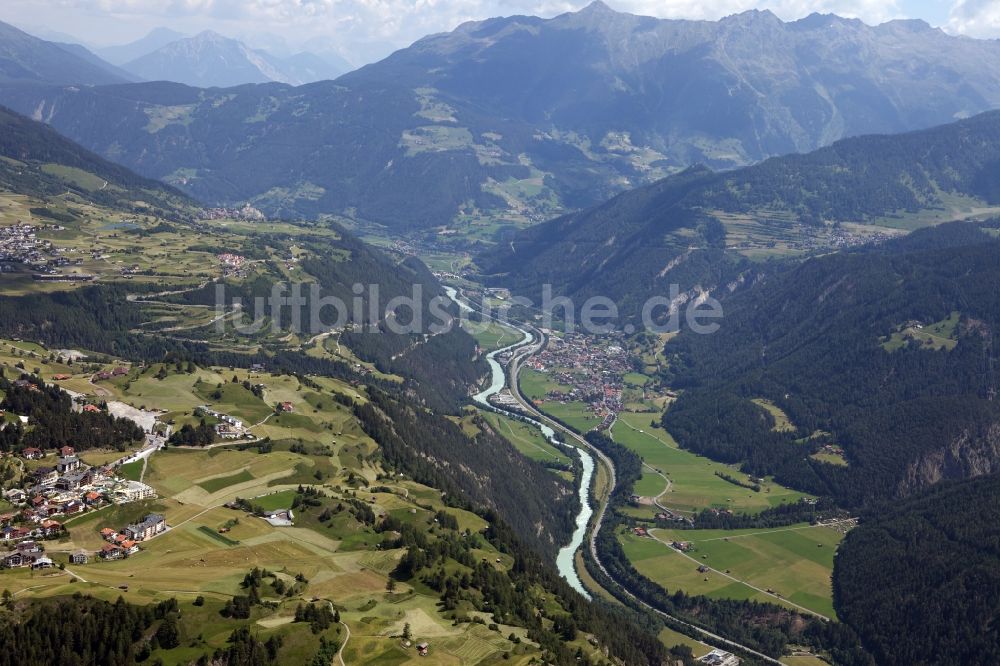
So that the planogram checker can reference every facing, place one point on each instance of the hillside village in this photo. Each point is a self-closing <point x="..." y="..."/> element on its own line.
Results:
<point x="61" y="486"/>
<point x="21" y="245"/>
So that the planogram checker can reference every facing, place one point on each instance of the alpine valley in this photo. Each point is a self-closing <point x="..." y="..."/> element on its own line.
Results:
<point x="282" y="381"/>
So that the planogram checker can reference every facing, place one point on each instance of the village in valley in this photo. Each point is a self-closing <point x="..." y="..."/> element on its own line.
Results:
<point x="21" y="245"/>
<point x="587" y="370"/>
<point x="579" y="373"/>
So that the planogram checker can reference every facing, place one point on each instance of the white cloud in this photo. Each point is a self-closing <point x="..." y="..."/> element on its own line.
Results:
<point x="976" y="18"/>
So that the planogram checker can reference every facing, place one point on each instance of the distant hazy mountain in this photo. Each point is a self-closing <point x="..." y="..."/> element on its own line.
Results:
<point x="522" y="119"/>
<point x="41" y="32"/>
<point x="308" y="67"/>
<point x="330" y="52"/>
<point x="24" y="58"/>
<point x="212" y="60"/>
<point x="86" y="54"/>
<point x="123" y="53"/>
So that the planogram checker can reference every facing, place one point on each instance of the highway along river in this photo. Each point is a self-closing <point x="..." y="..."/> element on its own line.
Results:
<point x="565" y="560"/>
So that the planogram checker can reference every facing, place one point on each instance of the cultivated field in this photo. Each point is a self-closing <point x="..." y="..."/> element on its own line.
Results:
<point x="794" y="562"/>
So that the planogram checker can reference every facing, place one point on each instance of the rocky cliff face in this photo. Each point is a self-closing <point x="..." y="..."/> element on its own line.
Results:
<point x="972" y="453"/>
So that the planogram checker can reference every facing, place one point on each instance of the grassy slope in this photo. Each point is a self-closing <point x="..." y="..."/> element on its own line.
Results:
<point x="694" y="482"/>
<point x="339" y="558"/>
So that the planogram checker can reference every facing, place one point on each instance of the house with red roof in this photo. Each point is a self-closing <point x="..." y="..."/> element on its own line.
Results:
<point x="50" y="528"/>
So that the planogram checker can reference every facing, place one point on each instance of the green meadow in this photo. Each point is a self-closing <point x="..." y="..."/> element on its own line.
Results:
<point x="794" y="562"/>
<point x="528" y="439"/>
<point x="694" y="483"/>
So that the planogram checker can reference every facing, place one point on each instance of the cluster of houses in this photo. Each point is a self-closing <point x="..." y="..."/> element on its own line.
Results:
<point x="832" y="449"/>
<point x="667" y="516"/>
<point x="19" y="244"/>
<point x="246" y="212"/>
<point x="68" y="488"/>
<point x="122" y="544"/>
<point x="593" y="373"/>
<point x="228" y="427"/>
<point x="105" y="375"/>
<point x="26" y="554"/>
<point x="233" y="265"/>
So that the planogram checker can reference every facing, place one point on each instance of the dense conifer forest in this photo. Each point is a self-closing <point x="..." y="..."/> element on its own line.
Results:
<point x="936" y="558"/>
<point x="54" y="423"/>
<point x="839" y="344"/>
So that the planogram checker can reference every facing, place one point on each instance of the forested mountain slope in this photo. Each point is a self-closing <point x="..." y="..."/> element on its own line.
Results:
<point x="937" y="560"/>
<point x="27" y="59"/>
<point x="518" y="119"/>
<point x="41" y="162"/>
<point x="888" y="353"/>
<point x="677" y="230"/>
<point x="429" y="373"/>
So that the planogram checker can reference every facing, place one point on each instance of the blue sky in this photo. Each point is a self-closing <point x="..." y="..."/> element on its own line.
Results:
<point x="364" y="30"/>
<point x="934" y="12"/>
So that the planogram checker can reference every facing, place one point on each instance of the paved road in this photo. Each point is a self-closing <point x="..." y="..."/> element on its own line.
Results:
<point x="519" y="355"/>
<point x="513" y="368"/>
<point x="734" y="578"/>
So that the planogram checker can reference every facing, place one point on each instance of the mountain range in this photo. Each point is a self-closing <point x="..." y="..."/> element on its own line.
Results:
<point x="155" y="39"/>
<point x="38" y="161"/>
<point x="510" y="121"/>
<point x="699" y="229"/>
<point x="27" y="59"/>
<point x="207" y="59"/>
<point x="211" y="60"/>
